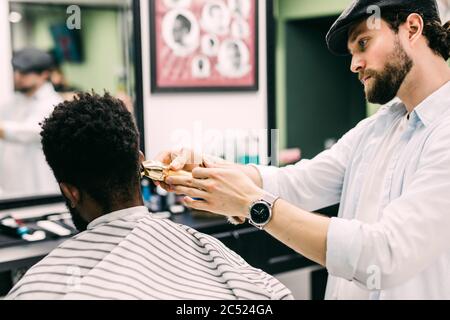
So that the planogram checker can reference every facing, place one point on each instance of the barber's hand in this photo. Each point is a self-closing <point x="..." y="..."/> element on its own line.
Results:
<point x="180" y="159"/>
<point x="2" y="132"/>
<point x="223" y="190"/>
<point x="187" y="160"/>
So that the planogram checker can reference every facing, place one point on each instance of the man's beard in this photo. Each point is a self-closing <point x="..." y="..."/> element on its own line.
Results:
<point x="25" y="90"/>
<point x="78" y="221"/>
<point x="387" y="83"/>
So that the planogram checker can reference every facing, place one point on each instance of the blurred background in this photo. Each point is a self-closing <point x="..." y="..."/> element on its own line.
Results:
<point x="91" y="45"/>
<point x="305" y="100"/>
<point x="97" y="56"/>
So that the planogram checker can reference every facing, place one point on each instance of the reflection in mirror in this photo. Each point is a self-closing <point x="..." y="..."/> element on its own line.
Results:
<point x="58" y="48"/>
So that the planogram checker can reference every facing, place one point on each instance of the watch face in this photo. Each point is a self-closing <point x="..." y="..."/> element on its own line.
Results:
<point x="260" y="213"/>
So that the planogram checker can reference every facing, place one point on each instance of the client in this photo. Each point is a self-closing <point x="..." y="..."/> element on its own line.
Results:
<point x="123" y="252"/>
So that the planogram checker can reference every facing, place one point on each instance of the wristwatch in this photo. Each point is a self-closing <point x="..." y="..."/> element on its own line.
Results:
<point x="260" y="211"/>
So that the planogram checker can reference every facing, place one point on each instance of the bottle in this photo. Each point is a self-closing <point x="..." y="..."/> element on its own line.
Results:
<point x="162" y="195"/>
<point x="146" y="192"/>
<point x="253" y="149"/>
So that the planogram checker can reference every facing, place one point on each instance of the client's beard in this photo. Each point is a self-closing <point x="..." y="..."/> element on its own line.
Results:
<point x="78" y="221"/>
<point x="387" y="83"/>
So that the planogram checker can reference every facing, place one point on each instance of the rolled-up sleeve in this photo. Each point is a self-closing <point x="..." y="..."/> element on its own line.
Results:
<point x="412" y="233"/>
<point x="269" y="178"/>
<point x="344" y="245"/>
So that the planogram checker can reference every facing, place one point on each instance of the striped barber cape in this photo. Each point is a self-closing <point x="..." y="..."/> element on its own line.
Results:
<point x="130" y="254"/>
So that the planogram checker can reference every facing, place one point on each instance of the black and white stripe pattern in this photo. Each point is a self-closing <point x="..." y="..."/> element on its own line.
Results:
<point x="131" y="255"/>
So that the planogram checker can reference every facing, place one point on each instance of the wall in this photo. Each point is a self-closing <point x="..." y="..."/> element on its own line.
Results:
<point x="288" y="10"/>
<point x="104" y="58"/>
<point x="301" y="9"/>
<point x="100" y="37"/>
<point x="165" y="113"/>
<point x="324" y="99"/>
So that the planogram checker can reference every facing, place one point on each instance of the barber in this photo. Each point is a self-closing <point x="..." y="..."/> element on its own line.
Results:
<point x="390" y="174"/>
<point x="23" y="170"/>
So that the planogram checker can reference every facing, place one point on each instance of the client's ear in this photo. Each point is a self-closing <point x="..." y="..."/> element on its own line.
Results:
<point x="141" y="157"/>
<point x="71" y="193"/>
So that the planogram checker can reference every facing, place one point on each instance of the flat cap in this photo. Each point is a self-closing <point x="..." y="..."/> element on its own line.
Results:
<point x="31" y="60"/>
<point x="337" y="36"/>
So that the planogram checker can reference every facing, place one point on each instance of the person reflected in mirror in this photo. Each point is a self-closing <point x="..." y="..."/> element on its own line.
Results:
<point x="61" y="85"/>
<point x="23" y="170"/>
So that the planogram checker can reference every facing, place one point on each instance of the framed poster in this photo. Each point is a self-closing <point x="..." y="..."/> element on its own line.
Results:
<point x="204" y="45"/>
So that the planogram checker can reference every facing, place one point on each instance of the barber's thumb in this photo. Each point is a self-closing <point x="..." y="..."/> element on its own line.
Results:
<point x="177" y="164"/>
<point x="209" y="164"/>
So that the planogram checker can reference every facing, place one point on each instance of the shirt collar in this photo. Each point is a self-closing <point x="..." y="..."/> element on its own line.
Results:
<point x="116" y="215"/>
<point x="396" y="106"/>
<point x="434" y="106"/>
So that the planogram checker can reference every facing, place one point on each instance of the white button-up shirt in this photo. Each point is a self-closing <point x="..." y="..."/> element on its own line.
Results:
<point x="23" y="169"/>
<point x="404" y="251"/>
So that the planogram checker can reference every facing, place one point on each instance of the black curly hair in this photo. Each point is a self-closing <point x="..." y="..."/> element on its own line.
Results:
<point x="93" y="144"/>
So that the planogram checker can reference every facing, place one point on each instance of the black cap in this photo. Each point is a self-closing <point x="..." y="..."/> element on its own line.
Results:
<point x="337" y="36"/>
<point x="31" y="60"/>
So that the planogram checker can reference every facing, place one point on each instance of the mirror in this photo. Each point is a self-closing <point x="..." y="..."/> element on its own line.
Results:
<point x="93" y="46"/>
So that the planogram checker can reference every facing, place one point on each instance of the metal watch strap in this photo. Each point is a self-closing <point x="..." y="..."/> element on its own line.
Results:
<point x="269" y="198"/>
